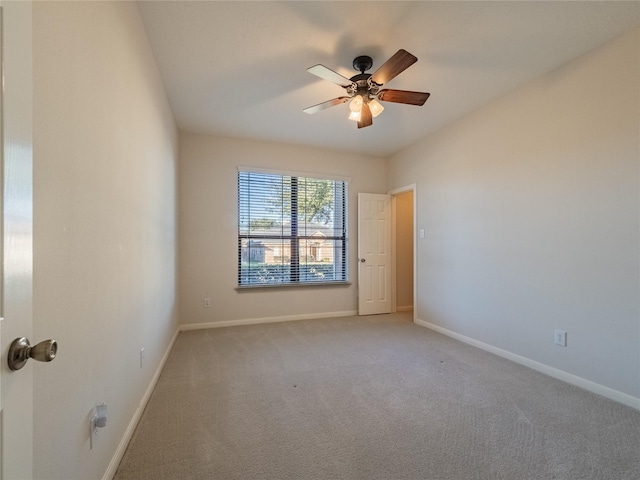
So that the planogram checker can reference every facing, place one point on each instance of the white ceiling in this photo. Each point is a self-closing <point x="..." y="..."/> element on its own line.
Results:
<point x="239" y="68"/>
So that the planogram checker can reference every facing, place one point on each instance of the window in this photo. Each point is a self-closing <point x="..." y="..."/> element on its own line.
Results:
<point x="292" y="230"/>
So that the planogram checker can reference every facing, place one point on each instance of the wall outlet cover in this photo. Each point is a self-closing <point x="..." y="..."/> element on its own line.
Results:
<point x="560" y="338"/>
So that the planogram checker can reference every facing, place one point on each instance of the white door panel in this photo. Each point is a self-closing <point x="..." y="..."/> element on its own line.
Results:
<point x="16" y="393"/>
<point x="374" y="253"/>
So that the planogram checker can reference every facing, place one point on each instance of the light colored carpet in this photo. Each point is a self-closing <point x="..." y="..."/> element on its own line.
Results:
<point x="369" y="398"/>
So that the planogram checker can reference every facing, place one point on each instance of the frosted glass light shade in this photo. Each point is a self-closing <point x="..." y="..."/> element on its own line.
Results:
<point x="375" y="107"/>
<point x="356" y="104"/>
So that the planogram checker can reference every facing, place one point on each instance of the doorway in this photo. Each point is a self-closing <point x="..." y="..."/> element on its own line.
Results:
<point x="403" y="201"/>
<point x="387" y="252"/>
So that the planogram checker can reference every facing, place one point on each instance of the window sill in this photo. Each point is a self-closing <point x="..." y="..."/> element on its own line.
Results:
<point x="284" y="286"/>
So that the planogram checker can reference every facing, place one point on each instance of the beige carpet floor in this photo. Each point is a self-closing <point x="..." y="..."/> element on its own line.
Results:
<point x="369" y="398"/>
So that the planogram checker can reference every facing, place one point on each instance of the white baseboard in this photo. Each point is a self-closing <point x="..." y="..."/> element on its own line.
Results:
<point x="588" y="385"/>
<point x="124" y="442"/>
<point x="254" y="321"/>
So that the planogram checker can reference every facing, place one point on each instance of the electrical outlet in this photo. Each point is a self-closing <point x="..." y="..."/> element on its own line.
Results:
<point x="141" y="357"/>
<point x="560" y="338"/>
<point x="206" y="303"/>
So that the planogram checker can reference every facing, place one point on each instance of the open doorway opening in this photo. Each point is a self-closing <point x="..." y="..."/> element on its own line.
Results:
<point x="403" y="248"/>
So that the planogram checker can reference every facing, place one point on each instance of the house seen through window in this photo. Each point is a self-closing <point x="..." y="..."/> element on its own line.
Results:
<point x="291" y="229"/>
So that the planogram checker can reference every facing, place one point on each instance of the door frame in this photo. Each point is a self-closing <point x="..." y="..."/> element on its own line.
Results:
<point x="394" y="193"/>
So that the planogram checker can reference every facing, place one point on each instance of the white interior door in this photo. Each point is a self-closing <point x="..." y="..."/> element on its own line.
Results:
<point x="16" y="393"/>
<point x="374" y="253"/>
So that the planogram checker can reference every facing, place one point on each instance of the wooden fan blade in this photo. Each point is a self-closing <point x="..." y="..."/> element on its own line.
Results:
<point x="327" y="104"/>
<point x="366" y="118"/>
<point x="397" y="64"/>
<point x="328" y="74"/>
<point x="403" y="96"/>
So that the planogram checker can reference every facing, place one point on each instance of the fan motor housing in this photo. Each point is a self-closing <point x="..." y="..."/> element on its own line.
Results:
<point x="365" y="88"/>
<point x="361" y="79"/>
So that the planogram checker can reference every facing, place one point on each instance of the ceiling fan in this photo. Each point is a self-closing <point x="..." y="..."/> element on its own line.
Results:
<point x="364" y="90"/>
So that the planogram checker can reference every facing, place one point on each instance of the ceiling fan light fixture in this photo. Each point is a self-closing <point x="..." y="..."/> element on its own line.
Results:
<point x="355" y="116"/>
<point x="356" y="104"/>
<point x="363" y="91"/>
<point x="375" y="107"/>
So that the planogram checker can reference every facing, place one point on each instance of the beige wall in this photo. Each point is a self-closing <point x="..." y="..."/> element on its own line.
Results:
<point x="208" y="228"/>
<point x="105" y="148"/>
<point x="531" y="213"/>
<point x="404" y="250"/>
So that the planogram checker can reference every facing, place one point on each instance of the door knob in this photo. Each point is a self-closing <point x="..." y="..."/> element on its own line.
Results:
<point x="21" y="350"/>
<point x="362" y="260"/>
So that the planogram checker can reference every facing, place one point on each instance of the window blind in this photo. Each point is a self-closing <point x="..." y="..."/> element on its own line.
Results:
<point x="291" y="229"/>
